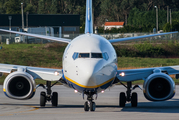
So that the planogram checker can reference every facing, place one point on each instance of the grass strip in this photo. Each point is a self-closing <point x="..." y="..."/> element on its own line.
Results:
<point x="50" y="56"/>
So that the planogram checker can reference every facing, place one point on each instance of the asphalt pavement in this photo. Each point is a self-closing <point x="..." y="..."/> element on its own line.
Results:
<point x="71" y="107"/>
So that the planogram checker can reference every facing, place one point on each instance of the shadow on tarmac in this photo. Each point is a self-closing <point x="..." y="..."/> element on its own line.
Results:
<point x="171" y="106"/>
<point x="157" y="107"/>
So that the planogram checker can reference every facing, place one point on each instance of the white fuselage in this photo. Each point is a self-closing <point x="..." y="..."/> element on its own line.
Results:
<point x="89" y="63"/>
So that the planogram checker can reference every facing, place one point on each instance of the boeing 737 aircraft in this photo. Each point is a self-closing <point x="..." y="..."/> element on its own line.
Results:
<point x="89" y="67"/>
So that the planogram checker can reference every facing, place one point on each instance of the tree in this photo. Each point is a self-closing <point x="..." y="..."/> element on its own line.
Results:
<point x="111" y="9"/>
<point x="41" y="7"/>
<point x="174" y="27"/>
<point x="147" y="18"/>
<point x="167" y="27"/>
<point x="30" y="8"/>
<point x="48" y="4"/>
<point x="13" y="7"/>
<point x="126" y="6"/>
<point x="53" y="8"/>
<point x="2" y="6"/>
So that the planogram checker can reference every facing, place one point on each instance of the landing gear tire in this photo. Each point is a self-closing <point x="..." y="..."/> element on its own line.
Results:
<point x="86" y="106"/>
<point x="92" y="106"/>
<point x="122" y="99"/>
<point x="42" y="99"/>
<point x="54" y="99"/>
<point x="134" y="99"/>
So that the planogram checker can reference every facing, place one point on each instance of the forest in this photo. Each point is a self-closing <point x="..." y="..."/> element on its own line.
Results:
<point x="139" y="14"/>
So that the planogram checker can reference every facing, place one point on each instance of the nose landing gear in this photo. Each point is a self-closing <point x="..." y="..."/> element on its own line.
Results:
<point x="89" y="105"/>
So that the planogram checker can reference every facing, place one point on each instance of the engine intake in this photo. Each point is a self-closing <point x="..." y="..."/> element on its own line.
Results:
<point x="159" y="87"/>
<point x="19" y="85"/>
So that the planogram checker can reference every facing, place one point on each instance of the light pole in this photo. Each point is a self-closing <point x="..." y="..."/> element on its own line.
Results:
<point x="10" y="18"/>
<point x="22" y="16"/>
<point x="167" y="14"/>
<point x="156" y="18"/>
<point x="105" y="20"/>
<point x="171" y="18"/>
<point x="22" y="20"/>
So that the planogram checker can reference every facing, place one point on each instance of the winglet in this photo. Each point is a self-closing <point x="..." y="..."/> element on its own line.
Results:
<point x="89" y="17"/>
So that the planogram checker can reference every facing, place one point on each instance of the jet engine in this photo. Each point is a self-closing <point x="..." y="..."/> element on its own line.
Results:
<point x="19" y="85"/>
<point x="159" y="87"/>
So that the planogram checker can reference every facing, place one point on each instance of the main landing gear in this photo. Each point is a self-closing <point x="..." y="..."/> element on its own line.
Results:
<point x="123" y="98"/>
<point x="48" y="95"/>
<point x="89" y="105"/>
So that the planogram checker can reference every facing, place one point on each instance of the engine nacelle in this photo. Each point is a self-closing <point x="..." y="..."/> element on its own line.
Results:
<point x="19" y="85"/>
<point x="159" y="87"/>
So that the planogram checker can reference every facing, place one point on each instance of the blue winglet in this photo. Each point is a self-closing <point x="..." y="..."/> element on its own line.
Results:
<point x="89" y="17"/>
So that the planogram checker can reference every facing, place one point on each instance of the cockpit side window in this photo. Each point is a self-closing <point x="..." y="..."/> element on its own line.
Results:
<point x="105" y="56"/>
<point x="96" y="55"/>
<point x="75" y="55"/>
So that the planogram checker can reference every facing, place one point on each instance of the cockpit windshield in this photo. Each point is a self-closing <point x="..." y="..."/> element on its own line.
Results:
<point x="84" y="55"/>
<point x="90" y="55"/>
<point x="96" y="55"/>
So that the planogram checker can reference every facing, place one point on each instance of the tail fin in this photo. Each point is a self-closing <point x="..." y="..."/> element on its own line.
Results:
<point x="89" y="17"/>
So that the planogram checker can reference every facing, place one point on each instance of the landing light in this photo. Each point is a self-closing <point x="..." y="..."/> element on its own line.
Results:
<point x="122" y="74"/>
<point x="76" y="91"/>
<point x="102" y="91"/>
<point x="56" y="73"/>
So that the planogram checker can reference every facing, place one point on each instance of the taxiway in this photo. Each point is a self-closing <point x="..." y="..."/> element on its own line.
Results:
<point x="71" y="107"/>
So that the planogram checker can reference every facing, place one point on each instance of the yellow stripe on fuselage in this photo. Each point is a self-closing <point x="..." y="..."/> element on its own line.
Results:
<point x="84" y="86"/>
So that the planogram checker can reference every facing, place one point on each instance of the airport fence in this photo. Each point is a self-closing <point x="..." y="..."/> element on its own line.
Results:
<point x="14" y="38"/>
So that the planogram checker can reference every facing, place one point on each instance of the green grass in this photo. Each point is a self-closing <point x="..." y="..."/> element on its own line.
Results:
<point x="50" y="56"/>
<point x="138" y="62"/>
<point x="46" y="55"/>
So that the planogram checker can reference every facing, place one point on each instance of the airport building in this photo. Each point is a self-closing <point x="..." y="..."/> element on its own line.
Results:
<point x="64" y="26"/>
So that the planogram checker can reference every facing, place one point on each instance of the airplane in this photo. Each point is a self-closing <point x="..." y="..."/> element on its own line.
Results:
<point x="89" y="67"/>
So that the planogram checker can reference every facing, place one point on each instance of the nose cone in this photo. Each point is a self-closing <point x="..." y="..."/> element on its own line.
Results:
<point x="90" y="72"/>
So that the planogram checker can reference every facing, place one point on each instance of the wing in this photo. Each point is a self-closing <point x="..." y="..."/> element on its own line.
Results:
<point x="39" y="36"/>
<point x="139" y="37"/>
<point x="36" y="72"/>
<point x="139" y="74"/>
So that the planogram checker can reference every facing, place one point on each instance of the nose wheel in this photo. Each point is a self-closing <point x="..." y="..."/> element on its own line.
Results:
<point x="89" y="105"/>
<point x="92" y="106"/>
<point x="86" y="106"/>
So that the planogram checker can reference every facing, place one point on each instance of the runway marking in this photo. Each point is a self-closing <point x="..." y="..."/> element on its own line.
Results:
<point x="35" y="108"/>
